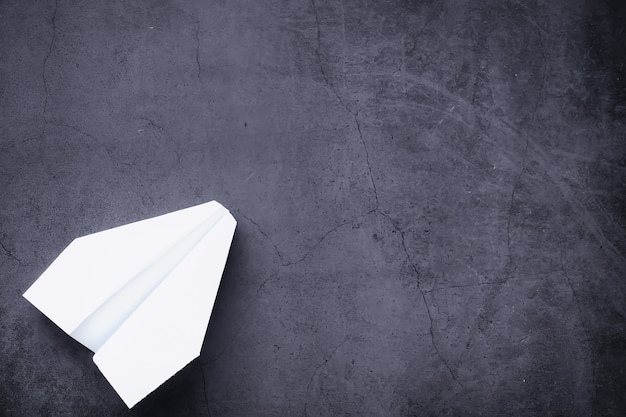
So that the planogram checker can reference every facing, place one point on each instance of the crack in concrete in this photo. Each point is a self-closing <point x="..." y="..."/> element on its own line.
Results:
<point x="543" y="159"/>
<point x="82" y="132"/>
<point x="510" y="212"/>
<point x="23" y="141"/>
<point x="10" y="254"/>
<point x="367" y="160"/>
<point x="318" y="53"/>
<point x="319" y="242"/>
<point x="423" y="295"/>
<point x="198" y="49"/>
<point x="280" y="256"/>
<point x="482" y="284"/>
<point x="489" y="307"/>
<point x="151" y="123"/>
<point x="313" y="248"/>
<point x="375" y="192"/>
<point x="206" y="399"/>
<point x="340" y="100"/>
<point x="343" y="37"/>
<point x="275" y="274"/>
<point x="45" y="64"/>
<point x="317" y="370"/>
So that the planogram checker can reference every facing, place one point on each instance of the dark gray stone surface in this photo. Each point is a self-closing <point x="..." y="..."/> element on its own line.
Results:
<point x="430" y="196"/>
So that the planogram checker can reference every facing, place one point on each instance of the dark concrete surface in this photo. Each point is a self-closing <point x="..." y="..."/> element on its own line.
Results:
<point x="431" y="198"/>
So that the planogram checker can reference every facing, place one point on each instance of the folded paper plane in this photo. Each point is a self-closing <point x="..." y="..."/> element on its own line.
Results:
<point x="140" y="296"/>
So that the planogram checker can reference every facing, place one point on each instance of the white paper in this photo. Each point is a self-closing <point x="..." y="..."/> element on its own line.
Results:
<point x="140" y="295"/>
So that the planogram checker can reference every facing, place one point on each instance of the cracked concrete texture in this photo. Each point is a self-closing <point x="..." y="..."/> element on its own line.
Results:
<point x="430" y="198"/>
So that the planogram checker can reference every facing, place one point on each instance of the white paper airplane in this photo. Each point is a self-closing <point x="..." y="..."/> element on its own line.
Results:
<point x="140" y="295"/>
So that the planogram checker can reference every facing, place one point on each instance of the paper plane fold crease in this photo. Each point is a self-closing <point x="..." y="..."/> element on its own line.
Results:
<point x="140" y="296"/>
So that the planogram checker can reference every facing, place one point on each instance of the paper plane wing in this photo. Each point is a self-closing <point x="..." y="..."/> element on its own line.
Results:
<point x="140" y="296"/>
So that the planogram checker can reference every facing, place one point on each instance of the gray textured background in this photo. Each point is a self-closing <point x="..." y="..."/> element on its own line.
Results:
<point x="430" y="197"/>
